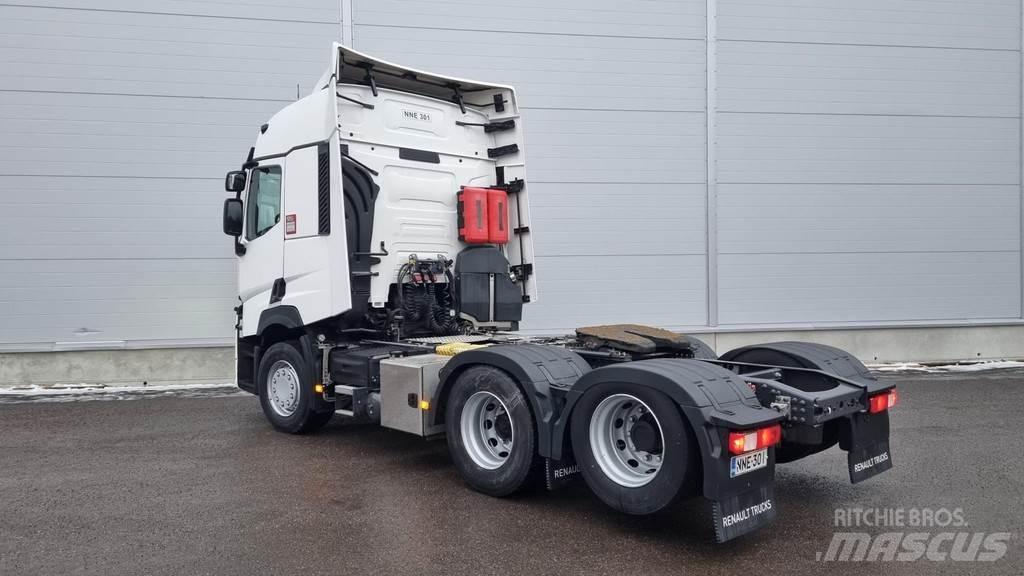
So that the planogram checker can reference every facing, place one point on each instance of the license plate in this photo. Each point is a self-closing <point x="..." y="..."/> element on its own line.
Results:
<point x="748" y="462"/>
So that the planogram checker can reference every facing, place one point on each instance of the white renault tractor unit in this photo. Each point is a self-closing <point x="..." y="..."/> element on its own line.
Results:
<point x="384" y="243"/>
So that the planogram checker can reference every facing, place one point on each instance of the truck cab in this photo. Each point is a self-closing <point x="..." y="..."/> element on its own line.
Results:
<point x="359" y="182"/>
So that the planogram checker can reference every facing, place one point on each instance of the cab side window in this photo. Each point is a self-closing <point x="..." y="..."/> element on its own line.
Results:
<point x="263" y="206"/>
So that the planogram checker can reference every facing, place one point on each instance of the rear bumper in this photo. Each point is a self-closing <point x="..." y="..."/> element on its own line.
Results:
<point x="744" y="503"/>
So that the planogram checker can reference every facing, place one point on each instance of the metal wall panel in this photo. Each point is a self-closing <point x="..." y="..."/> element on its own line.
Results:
<point x="642" y="219"/>
<point x="894" y="80"/>
<point x="611" y="18"/>
<point x="104" y="135"/>
<point x="276" y="10"/>
<point x="861" y="287"/>
<point x="119" y="121"/>
<point x="869" y="161"/>
<point x="794" y="218"/>
<point x="854" y="149"/>
<point x="992" y="24"/>
<point x="74" y="301"/>
<point x="660" y="290"/>
<point x="615" y="146"/>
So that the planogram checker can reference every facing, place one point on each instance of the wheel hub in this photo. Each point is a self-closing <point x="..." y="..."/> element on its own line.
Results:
<point x="283" y="388"/>
<point x="626" y="440"/>
<point x="487" y="430"/>
<point x="645" y="435"/>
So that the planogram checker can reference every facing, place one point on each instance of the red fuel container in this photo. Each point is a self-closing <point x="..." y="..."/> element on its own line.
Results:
<point x="472" y="209"/>
<point x="497" y="216"/>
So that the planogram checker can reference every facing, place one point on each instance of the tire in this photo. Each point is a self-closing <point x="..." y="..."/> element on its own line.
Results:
<point x="289" y="404"/>
<point x="621" y="476"/>
<point x="499" y="458"/>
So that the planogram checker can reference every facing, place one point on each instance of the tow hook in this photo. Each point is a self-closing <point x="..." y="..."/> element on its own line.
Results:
<point x="782" y="405"/>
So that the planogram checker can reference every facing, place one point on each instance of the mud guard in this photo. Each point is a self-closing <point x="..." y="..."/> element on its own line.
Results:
<point x="714" y="402"/>
<point x="865" y="437"/>
<point x="536" y="367"/>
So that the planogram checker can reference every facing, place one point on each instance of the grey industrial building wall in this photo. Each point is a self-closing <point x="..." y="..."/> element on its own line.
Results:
<point x="850" y="164"/>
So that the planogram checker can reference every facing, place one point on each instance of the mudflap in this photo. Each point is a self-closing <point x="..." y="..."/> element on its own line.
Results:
<point x="866" y="440"/>
<point x="560" y="473"/>
<point x="743" y="513"/>
<point x="741" y="502"/>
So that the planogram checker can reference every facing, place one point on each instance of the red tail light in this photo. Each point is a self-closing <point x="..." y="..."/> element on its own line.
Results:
<point x="740" y="442"/>
<point x="882" y="402"/>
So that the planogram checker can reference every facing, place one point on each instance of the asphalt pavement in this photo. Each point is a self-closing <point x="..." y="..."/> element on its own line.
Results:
<point x="200" y="484"/>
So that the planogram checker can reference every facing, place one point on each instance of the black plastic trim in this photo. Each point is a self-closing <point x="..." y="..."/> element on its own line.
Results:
<point x="419" y="155"/>
<point x="278" y="290"/>
<point x="502" y="150"/>
<point x="285" y="316"/>
<point x="323" y="189"/>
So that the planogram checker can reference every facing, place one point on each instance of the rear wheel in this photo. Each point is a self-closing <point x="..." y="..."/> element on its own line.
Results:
<point x="286" y="391"/>
<point x="490" y="431"/>
<point x="634" y="449"/>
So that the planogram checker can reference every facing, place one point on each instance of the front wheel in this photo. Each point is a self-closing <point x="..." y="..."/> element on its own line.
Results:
<point x="634" y="449"/>
<point x="490" y="431"/>
<point x="286" y="391"/>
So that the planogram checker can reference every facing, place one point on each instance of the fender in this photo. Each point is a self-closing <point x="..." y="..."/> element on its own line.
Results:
<point x="287" y="317"/>
<point x="535" y="367"/>
<point x="712" y="399"/>
<point x="283" y="322"/>
<point x="804" y="355"/>
<point x="862" y="436"/>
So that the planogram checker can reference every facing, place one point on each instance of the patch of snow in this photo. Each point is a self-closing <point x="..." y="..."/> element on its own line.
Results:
<point x="83" y="389"/>
<point x="945" y="368"/>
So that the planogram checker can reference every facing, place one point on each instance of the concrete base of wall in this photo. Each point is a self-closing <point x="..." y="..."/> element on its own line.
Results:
<point x="881" y="345"/>
<point x="155" y="367"/>
<point x="152" y="367"/>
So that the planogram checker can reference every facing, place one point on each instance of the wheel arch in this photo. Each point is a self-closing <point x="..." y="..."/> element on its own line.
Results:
<point x="535" y="368"/>
<point x="809" y="355"/>
<point x="279" y="324"/>
<point x="711" y="399"/>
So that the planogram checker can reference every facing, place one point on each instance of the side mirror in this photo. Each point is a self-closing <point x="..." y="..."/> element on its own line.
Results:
<point x="233" y="217"/>
<point x="234" y="181"/>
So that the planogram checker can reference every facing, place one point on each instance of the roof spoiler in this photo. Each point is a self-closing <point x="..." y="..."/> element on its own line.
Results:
<point x="352" y="67"/>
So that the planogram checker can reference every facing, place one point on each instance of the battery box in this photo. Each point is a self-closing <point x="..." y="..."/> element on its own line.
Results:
<point x="407" y="388"/>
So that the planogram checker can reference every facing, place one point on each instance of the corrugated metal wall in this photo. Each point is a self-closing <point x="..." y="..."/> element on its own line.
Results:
<point x="864" y="157"/>
<point x="868" y="160"/>
<point x="117" y="123"/>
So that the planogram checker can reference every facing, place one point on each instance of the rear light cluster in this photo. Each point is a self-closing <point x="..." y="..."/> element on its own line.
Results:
<point x="483" y="215"/>
<point x="749" y="440"/>
<point x="882" y="402"/>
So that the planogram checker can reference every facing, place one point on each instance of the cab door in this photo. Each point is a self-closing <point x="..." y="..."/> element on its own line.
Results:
<point x="261" y="267"/>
